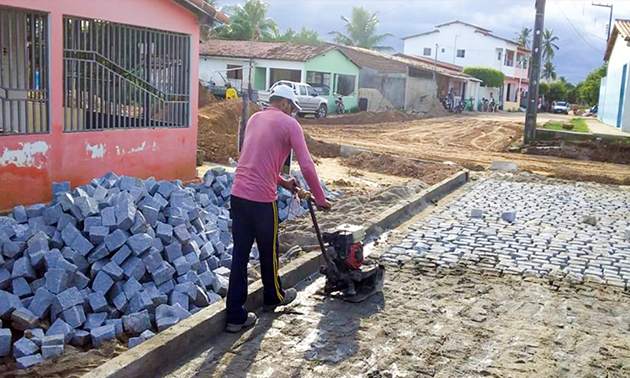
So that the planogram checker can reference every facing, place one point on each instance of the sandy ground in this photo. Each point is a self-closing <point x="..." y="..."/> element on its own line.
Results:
<point x="426" y="324"/>
<point x="469" y="140"/>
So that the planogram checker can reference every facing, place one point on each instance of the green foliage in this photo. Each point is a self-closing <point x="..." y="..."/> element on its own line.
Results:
<point x="490" y="76"/>
<point x="356" y="109"/>
<point x="543" y="89"/>
<point x="523" y="38"/>
<point x="579" y="126"/>
<point x="304" y="37"/>
<point x="589" y="90"/>
<point x="549" y="45"/>
<point x="557" y="92"/>
<point x="548" y="71"/>
<point x="361" y="31"/>
<point x="249" y="21"/>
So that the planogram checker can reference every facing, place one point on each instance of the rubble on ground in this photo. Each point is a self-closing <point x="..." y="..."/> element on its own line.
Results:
<point x="120" y="255"/>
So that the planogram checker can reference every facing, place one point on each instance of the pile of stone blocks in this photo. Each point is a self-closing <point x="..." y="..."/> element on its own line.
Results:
<point x="121" y="255"/>
<point x="290" y="207"/>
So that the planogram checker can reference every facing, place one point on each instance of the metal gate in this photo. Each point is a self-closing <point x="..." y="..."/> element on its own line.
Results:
<point x="23" y="72"/>
<point x="120" y="76"/>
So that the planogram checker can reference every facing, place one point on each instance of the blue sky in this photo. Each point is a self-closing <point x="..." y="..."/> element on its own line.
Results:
<point x="580" y="26"/>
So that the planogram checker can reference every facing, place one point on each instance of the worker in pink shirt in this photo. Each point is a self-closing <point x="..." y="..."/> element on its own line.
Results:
<point x="270" y="136"/>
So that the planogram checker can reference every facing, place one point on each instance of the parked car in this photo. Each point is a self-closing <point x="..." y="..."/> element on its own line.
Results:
<point x="307" y="97"/>
<point x="560" y="107"/>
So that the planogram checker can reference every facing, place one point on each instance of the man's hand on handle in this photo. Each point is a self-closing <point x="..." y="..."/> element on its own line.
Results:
<point x="291" y="184"/>
<point x="308" y="196"/>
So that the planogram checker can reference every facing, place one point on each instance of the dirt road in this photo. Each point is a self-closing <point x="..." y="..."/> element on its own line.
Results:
<point x="467" y="140"/>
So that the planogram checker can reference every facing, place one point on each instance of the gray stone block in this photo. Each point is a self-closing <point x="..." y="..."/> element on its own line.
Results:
<point x="137" y="323"/>
<point x="5" y="342"/>
<point x="94" y="320"/>
<point x="131" y="287"/>
<point x="135" y="341"/>
<point x="207" y="279"/>
<point x="23" y="268"/>
<point x="80" y="339"/>
<point x="180" y="312"/>
<point x="125" y="211"/>
<point x="81" y="281"/>
<point x="24" y="347"/>
<point x="102" y="283"/>
<point x="146" y="335"/>
<point x="36" y="335"/>
<point x="180" y="298"/>
<point x="67" y="299"/>
<point x="151" y="215"/>
<point x="52" y="351"/>
<point x="13" y="249"/>
<point x="140" y="243"/>
<point x="97" y="301"/>
<point x="57" y="280"/>
<point x="74" y="316"/>
<point x="108" y="217"/>
<point x="181" y="234"/>
<point x="29" y="361"/>
<point x="66" y="200"/>
<point x="140" y="224"/>
<point x="189" y="277"/>
<point x="121" y="255"/>
<point x="52" y="214"/>
<point x="164" y="231"/>
<point x="19" y="214"/>
<point x="53" y="340"/>
<point x="166" y="322"/>
<point x="102" y="334"/>
<point x="182" y="266"/>
<point x="40" y="304"/>
<point x="140" y="301"/>
<point x="114" y="271"/>
<point x="162" y="274"/>
<point x="98" y="234"/>
<point x="134" y="267"/>
<point x="35" y="210"/>
<point x="115" y="240"/>
<point x="5" y="279"/>
<point x="509" y="216"/>
<point x="118" y="325"/>
<point x="167" y="287"/>
<point x="187" y="288"/>
<point x="69" y="233"/>
<point x="24" y="319"/>
<point x="220" y="285"/>
<point x="120" y="301"/>
<point x="152" y="260"/>
<point x="201" y="298"/>
<point x="98" y="253"/>
<point x="20" y="287"/>
<point x="81" y="245"/>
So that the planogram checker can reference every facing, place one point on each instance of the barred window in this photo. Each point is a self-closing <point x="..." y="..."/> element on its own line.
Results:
<point x="23" y="72"/>
<point x="121" y="76"/>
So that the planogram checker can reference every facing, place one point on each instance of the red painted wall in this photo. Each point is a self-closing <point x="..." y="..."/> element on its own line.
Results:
<point x="29" y="164"/>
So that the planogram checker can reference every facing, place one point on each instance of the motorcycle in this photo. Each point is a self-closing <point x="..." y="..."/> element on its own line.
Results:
<point x="339" y="103"/>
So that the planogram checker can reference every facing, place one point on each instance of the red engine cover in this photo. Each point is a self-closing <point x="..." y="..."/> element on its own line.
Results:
<point x="355" y="257"/>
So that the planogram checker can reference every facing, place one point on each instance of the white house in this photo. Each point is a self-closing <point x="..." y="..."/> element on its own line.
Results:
<point x="613" y="88"/>
<point x="463" y="44"/>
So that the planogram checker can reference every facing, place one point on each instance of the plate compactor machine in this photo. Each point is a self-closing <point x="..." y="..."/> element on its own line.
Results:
<point x="348" y="275"/>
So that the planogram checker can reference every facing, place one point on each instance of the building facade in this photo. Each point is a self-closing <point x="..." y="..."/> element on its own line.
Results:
<point x="88" y="87"/>
<point x="467" y="45"/>
<point x="324" y="67"/>
<point x="613" y="97"/>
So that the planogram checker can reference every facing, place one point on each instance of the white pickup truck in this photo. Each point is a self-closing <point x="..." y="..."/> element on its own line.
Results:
<point x="306" y="96"/>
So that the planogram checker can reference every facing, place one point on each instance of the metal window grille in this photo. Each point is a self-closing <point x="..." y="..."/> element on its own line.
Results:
<point x="120" y="76"/>
<point x="23" y="72"/>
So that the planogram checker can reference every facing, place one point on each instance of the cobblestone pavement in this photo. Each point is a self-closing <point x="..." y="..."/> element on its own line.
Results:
<point x="562" y="230"/>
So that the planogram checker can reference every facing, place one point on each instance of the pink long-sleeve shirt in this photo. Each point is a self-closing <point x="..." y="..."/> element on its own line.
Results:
<point x="269" y="137"/>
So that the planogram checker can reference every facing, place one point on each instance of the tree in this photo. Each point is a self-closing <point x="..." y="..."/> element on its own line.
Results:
<point x="249" y="21"/>
<point x="557" y="92"/>
<point x="589" y="89"/>
<point x="361" y="31"/>
<point x="491" y="77"/>
<point x="543" y="89"/>
<point x="548" y="44"/>
<point x="304" y="37"/>
<point x="523" y="37"/>
<point x="549" y="71"/>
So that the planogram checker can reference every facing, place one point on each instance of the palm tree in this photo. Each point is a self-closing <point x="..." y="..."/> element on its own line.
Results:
<point x="523" y="37"/>
<point x="360" y="29"/>
<point x="249" y="21"/>
<point x="549" y="71"/>
<point x="548" y="45"/>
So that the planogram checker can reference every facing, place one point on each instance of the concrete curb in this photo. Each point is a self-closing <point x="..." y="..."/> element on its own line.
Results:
<point x="165" y="349"/>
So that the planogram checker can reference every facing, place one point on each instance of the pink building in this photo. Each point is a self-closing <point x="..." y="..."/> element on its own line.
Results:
<point x="88" y="87"/>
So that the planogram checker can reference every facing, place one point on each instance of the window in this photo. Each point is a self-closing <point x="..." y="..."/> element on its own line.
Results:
<point x="235" y="72"/>
<point x="461" y="53"/>
<point x="302" y="90"/>
<point x="499" y="55"/>
<point x="311" y="91"/>
<point x="121" y="76"/>
<point x="345" y="84"/>
<point x="320" y="81"/>
<point x="23" y="72"/>
<point x="443" y="50"/>
<point x="427" y="51"/>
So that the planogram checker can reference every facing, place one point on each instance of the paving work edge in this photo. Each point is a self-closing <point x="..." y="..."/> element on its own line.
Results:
<point x="167" y="347"/>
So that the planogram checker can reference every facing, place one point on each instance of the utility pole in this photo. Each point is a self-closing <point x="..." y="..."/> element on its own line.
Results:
<point x="609" y="18"/>
<point x="534" y="74"/>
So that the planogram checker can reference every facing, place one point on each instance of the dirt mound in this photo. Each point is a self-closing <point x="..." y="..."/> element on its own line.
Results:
<point x="321" y="149"/>
<point x="363" y="118"/>
<point x="205" y="98"/>
<point x="218" y="132"/>
<point x="584" y="150"/>
<point x="430" y="173"/>
<point x="218" y="129"/>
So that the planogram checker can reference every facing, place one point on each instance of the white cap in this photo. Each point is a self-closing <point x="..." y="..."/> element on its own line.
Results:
<point x="285" y="92"/>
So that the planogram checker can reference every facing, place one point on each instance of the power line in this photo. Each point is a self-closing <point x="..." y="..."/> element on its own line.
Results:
<point x="574" y="28"/>
<point x="396" y="7"/>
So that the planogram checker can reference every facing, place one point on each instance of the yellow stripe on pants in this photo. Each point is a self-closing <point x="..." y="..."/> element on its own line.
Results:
<point x="275" y="243"/>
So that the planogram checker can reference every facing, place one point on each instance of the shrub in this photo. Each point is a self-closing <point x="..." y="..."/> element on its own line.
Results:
<point x="490" y="77"/>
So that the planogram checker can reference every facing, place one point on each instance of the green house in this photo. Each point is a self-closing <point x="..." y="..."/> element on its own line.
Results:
<point x="325" y="67"/>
